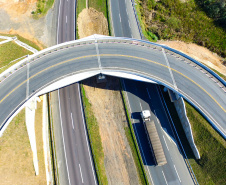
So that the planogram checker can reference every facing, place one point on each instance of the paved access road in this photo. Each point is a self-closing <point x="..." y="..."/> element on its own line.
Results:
<point x="75" y="163"/>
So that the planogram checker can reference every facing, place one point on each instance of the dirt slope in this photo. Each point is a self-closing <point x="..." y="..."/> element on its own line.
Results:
<point x="90" y="22"/>
<point x="199" y="53"/>
<point x="16" y="18"/>
<point x="108" y="109"/>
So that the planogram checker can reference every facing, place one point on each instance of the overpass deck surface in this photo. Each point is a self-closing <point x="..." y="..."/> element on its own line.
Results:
<point x="115" y="55"/>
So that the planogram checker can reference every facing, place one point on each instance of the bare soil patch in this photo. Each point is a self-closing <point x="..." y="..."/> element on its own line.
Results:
<point x="199" y="53"/>
<point x="90" y="22"/>
<point x="108" y="109"/>
<point x="16" y="18"/>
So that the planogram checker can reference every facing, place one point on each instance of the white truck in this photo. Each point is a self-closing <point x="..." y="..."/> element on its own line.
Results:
<point x="153" y="138"/>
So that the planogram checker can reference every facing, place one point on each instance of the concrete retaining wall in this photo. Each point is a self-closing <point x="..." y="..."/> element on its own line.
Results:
<point x="181" y="110"/>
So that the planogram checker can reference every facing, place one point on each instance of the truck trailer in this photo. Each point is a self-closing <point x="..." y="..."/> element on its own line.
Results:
<point x="153" y="138"/>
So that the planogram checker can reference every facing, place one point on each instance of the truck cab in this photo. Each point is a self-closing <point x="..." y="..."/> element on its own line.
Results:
<point x="146" y="115"/>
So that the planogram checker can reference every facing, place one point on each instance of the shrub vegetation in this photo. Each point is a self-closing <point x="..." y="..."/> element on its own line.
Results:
<point x="190" y="21"/>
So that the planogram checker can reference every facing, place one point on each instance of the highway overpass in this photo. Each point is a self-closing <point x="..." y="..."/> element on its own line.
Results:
<point x="123" y="57"/>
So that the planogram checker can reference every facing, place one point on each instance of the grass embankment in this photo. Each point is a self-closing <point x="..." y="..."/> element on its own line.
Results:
<point x="175" y="20"/>
<point x="95" y="140"/>
<point x="11" y="51"/>
<point x="134" y="147"/>
<point x="210" y="169"/>
<point x="16" y="161"/>
<point x="102" y="6"/>
<point x="42" y="8"/>
<point x="99" y="5"/>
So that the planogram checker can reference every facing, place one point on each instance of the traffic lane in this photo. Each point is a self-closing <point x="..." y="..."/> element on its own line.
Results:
<point x="167" y="169"/>
<point x="170" y="169"/>
<point x="202" y="100"/>
<point x="125" y="24"/>
<point x="59" y="145"/>
<point x="155" y="173"/>
<point x="139" y="68"/>
<point x="174" y="153"/>
<point x="140" y="52"/>
<point x="117" y="27"/>
<point x="135" y="33"/>
<point x="200" y="78"/>
<point x="65" y="21"/>
<point x="81" y="138"/>
<point x="69" y="139"/>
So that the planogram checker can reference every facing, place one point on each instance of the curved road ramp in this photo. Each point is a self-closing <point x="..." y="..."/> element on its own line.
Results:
<point x="73" y="61"/>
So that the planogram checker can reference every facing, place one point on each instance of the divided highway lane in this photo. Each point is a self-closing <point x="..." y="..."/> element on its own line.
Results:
<point x="147" y="97"/>
<point x="66" y="21"/>
<point x="78" y="159"/>
<point x="139" y="98"/>
<point x="77" y="151"/>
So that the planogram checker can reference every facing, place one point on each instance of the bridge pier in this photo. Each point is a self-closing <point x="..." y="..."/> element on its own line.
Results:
<point x="30" y="124"/>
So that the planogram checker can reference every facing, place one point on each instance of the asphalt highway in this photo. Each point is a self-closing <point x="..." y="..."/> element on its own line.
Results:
<point x="77" y="163"/>
<point x="142" y="96"/>
<point x="147" y="62"/>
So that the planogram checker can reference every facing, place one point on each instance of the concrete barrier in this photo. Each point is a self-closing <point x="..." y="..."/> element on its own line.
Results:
<point x="181" y="110"/>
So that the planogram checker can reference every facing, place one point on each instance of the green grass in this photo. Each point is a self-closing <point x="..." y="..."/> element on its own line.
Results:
<point x="174" y="20"/>
<point x="134" y="147"/>
<point x="100" y="6"/>
<point x="22" y="39"/>
<point x="11" y="51"/>
<point x="211" y="168"/>
<point x="220" y="74"/>
<point x="42" y="8"/>
<point x="95" y="140"/>
<point x="147" y="34"/>
<point x="81" y="4"/>
<point x="2" y="40"/>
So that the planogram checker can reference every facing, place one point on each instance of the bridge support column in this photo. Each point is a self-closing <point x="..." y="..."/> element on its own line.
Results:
<point x="30" y="124"/>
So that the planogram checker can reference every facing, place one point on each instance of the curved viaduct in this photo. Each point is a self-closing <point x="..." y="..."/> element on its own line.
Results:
<point x="136" y="59"/>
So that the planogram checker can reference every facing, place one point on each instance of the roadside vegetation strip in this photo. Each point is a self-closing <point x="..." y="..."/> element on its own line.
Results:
<point x="16" y="156"/>
<point x="42" y="7"/>
<point x="146" y="33"/>
<point x="37" y="45"/>
<point x="52" y="146"/>
<point x="211" y="146"/>
<point x="11" y="51"/>
<point x="94" y="139"/>
<point x="177" y="20"/>
<point x="210" y="169"/>
<point x="133" y="145"/>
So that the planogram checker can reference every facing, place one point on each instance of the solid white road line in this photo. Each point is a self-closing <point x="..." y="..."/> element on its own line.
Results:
<point x="164" y="177"/>
<point x="166" y="143"/>
<point x="27" y="90"/>
<point x="81" y="172"/>
<point x="72" y="122"/>
<point x="129" y="24"/>
<point x="120" y="18"/>
<point x="58" y="23"/>
<point x="137" y="134"/>
<point x="63" y="138"/>
<point x="148" y="93"/>
<point x="177" y="173"/>
<point x="86" y="135"/>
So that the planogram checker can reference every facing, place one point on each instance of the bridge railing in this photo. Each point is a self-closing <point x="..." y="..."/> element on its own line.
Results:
<point x="105" y="39"/>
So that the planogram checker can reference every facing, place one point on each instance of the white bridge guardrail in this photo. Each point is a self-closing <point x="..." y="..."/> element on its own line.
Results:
<point x="106" y="39"/>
